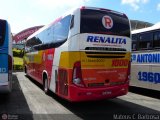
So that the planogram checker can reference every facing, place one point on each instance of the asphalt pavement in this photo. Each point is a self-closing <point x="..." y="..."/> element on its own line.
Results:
<point x="27" y="101"/>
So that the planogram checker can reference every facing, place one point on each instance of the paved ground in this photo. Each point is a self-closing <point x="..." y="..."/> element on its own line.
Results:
<point x="28" y="101"/>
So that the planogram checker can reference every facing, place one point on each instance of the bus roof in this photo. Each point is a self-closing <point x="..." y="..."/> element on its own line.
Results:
<point x="71" y="12"/>
<point x="102" y="9"/>
<point x="154" y="27"/>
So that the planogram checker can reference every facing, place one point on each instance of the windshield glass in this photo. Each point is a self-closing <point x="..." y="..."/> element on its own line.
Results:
<point x="2" y="31"/>
<point x="104" y="22"/>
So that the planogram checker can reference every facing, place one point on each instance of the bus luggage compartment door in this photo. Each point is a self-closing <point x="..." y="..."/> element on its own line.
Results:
<point x="99" y="71"/>
<point x="3" y="68"/>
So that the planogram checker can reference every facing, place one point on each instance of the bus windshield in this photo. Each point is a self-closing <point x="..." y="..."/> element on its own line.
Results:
<point x="91" y="22"/>
<point x="2" y="32"/>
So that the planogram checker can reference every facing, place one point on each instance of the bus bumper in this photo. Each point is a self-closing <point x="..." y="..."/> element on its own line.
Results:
<point x="78" y="94"/>
<point x="5" y="87"/>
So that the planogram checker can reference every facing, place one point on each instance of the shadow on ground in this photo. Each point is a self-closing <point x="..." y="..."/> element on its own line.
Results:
<point x="14" y="105"/>
<point x="103" y="110"/>
<point x="145" y="92"/>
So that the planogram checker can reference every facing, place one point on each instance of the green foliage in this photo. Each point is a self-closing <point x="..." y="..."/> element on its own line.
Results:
<point x="18" y="52"/>
<point x="17" y="67"/>
<point x="18" y="63"/>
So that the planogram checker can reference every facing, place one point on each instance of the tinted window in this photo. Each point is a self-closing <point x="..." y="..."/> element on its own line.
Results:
<point x="145" y="40"/>
<point x="91" y="22"/>
<point x="52" y="37"/>
<point x="61" y="29"/>
<point x="134" y="41"/>
<point x="2" y="31"/>
<point x="156" y="42"/>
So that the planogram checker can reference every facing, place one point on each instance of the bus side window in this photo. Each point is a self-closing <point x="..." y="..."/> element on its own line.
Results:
<point x="134" y="42"/>
<point x="2" y="31"/>
<point x="145" y="41"/>
<point x="156" y="39"/>
<point x="72" y="22"/>
<point x="61" y="31"/>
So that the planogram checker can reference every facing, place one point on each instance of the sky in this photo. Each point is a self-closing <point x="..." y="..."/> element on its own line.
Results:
<point x="23" y="14"/>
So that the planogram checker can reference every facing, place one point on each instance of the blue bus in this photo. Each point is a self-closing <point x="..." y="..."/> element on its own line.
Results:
<point x="6" y="57"/>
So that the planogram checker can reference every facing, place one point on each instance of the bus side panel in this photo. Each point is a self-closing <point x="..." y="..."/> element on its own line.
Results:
<point x="10" y="42"/>
<point x="145" y="70"/>
<point x="33" y="62"/>
<point x="38" y="63"/>
<point x="47" y="63"/>
<point x="6" y="61"/>
<point x="67" y="60"/>
<point x="62" y="74"/>
<point x="90" y="76"/>
<point x="63" y="68"/>
<point x="54" y="83"/>
<point x="155" y="85"/>
<point x="3" y="69"/>
<point x="29" y="60"/>
<point x="135" y="71"/>
<point x="63" y="82"/>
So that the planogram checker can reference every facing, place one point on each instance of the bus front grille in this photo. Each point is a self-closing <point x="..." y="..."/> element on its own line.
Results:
<point x="100" y="52"/>
<point x="95" y="84"/>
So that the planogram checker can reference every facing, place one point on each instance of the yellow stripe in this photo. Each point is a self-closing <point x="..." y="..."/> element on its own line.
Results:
<point x="68" y="59"/>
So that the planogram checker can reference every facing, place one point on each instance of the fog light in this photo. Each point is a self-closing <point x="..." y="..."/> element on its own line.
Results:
<point x="88" y="93"/>
<point x="106" y="92"/>
<point x="76" y="81"/>
<point x="123" y="89"/>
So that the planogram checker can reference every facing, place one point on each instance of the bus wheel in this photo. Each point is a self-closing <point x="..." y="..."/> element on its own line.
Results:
<point x="25" y="69"/>
<point x="45" y="85"/>
<point x="10" y="85"/>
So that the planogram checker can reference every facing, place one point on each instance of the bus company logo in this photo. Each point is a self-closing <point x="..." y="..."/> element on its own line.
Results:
<point x="4" y="116"/>
<point x="109" y="40"/>
<point x="118" y="63"/>
<point x="133" y="58"/>
<point x="3" y="70"/>
<point x="107" y="22"/>
<point x="146" y="58"/>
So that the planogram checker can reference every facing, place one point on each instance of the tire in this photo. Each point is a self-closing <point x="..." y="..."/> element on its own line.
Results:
<point x="25" y="70"/>
<point x="11" y="86"/>
<point x="45" y="85"/>
<point x="10" y="82"/>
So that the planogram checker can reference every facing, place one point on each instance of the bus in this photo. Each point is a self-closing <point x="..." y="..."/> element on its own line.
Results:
<point x="83" y="55"/>
<point x="6" y="57"/>
<point x="145" y="65"/>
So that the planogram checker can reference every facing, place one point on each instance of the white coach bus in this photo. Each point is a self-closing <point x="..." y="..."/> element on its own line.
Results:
<point x="145" y="67"/>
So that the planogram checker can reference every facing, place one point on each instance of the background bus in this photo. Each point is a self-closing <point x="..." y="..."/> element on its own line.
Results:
<point x="145" y="69"/>
<point x="83" y="55"/>
<point x="5" y="57"/>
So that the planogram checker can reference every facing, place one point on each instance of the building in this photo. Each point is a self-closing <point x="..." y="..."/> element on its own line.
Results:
<point x="136" y="24"/>
<point x="23" y="35"/>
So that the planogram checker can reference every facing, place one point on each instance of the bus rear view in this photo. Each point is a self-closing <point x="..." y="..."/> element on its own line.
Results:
<point x="5" y="57"/>
<point x="83" y="55"/>
<point x="101" y="65"/>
